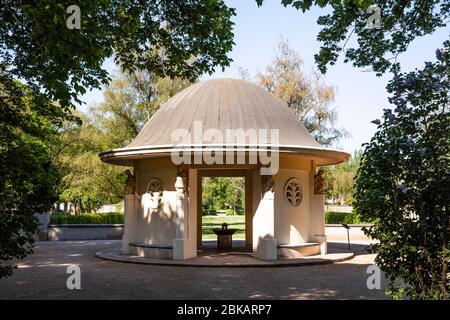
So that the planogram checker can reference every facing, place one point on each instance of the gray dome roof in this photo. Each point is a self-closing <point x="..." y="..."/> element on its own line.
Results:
<point x="222" y="104"/>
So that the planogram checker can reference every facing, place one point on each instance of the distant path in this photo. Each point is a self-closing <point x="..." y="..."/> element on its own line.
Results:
<point x="43" y="276"/>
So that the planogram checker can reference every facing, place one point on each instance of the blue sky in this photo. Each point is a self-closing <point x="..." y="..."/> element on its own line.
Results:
<point x="361" y="95"/>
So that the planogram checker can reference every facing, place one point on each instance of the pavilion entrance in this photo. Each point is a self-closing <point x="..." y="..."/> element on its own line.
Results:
<point x="207" y="221"/>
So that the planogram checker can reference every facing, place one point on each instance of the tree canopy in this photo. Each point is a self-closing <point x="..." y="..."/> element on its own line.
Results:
<point x="339" y="180"/>
<point x="45" y="67"/>
<point x="28" y="176"/>
<point x="169" y="38"/>
<point x="221" y="193"/>
<point x="376" y="48"/>
<point x="129" y="102"/>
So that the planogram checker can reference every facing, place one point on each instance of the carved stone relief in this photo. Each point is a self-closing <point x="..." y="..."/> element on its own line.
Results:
<point x="130" y="184"/>
<point x="268" y="183"/>
<point x="319" y="187"/>
<point x="293" y="192"/>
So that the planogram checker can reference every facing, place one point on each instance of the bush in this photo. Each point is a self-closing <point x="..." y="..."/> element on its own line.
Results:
<point x="231" y="212"/>
<point x="404" y="183"/>
<point x="342" y="217"/>
<point x="88" y="218"/>
<point x="208" y="212"/>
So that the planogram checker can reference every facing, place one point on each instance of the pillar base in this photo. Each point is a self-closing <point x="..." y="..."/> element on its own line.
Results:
<point x="125" y="245"/>
<point x="266" y="249"/>
<point x="182" y="250"/>
<point x="322" y="240"/>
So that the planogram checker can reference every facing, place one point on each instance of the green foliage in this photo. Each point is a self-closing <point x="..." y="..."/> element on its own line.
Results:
<point x="59" y="64"/>
<point x="130" y="101"/>
<point x="404" y="182"/>
<point x="28" y="176"/>
<point x="231" y="212"/>
<point x="305" y="5"/>
<point x="339" y="180"/>
<point x="38" y="47"/>
<point x="223" y="193"/>
<point x="87" y="218"/>
<point x="342" y="217"/>
<point x="86" y="182"/>
<point x="377" y="48"/>
<point x="307" y="96"/>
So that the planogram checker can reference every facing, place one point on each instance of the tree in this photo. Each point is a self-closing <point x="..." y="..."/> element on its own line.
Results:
<point x="169" y="38"/>
<point x="308" y="97"/>
<point x="222" y="193"/>
<point x="58" y="63"/>
<point x="129" y="101"/>
<point x="28" y="177"/>
<point x="403" y="182"/>
<point x="86" y="182"/>
<point x="339" y="180"/>
<point x="377" y="48"/>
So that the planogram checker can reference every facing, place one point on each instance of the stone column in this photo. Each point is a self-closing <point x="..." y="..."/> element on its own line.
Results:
<point x="181" y="206"/>
<point x="317" y="212"/>
<point x="128" y="214"/>
<point x="264" y="242"/>
<point x="182" y="246"/>
<point x="248" y="208"/>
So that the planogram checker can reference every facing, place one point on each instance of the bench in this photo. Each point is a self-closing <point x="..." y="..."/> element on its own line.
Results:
<point x="300" y="245"/>
<point x="221" y="213"/>
<point x="146" y="245"/>
<point x="298" y="250"/>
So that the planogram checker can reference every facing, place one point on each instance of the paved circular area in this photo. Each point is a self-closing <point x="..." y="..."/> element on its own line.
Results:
<point x="43" y="275"/>
<point x="233" y="259"/>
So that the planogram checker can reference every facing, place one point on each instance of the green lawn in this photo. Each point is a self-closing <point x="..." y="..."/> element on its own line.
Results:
<point x="234" y="222"/>
<point x="238" y="222"/>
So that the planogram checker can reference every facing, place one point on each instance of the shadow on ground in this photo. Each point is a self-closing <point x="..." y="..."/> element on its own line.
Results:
<point x="43" y="275"/>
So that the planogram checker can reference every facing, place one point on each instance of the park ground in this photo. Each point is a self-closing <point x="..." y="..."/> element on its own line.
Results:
<point x="234" y="222"/>
<point x="43" y="275"/>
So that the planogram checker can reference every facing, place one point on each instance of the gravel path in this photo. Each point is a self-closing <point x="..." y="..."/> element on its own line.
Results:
<point x="43" y="276"/>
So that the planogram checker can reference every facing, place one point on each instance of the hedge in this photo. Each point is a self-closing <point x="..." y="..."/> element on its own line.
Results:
<point x="87" y="218"/>
<point x="342" y="217"/>
<point x="117" y="218"/>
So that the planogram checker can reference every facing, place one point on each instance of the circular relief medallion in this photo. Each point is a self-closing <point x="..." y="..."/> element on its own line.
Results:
<point x="293" y="192"/>
<point x="155" y="185"/>
<point x="155" y="189"/>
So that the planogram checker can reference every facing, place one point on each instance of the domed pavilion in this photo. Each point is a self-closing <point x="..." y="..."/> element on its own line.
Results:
<point x="224" y="128"/>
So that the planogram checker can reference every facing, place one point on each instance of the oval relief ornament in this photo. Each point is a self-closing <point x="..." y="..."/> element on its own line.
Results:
<point x="293" y="192"/>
